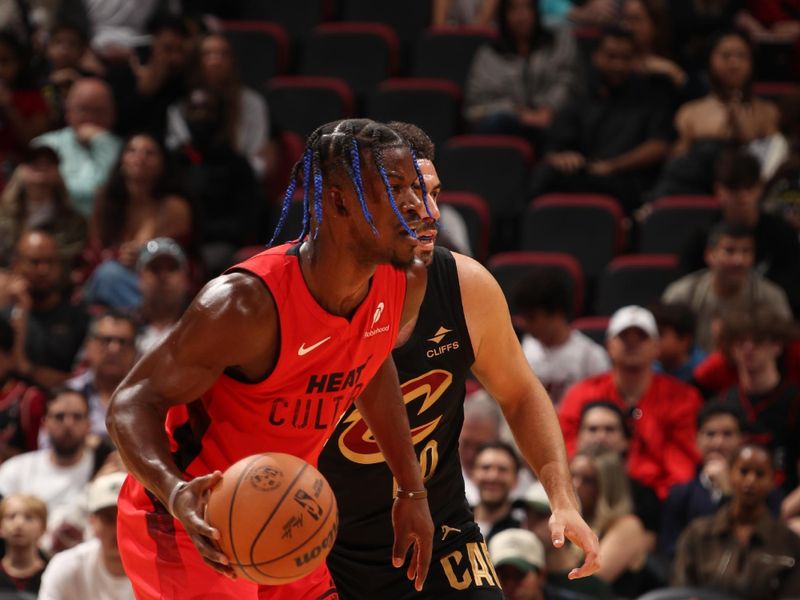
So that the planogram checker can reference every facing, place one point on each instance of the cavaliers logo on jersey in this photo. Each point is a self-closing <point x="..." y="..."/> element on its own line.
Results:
<point x="357" y="442"/>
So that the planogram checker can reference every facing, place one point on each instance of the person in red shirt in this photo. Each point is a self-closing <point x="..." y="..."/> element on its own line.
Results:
<point x="268" y="357"/>
<point x="661" y="410"/>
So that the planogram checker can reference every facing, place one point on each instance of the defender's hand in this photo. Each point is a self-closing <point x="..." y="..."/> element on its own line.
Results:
<point x="189" y="507"/>
<point x="412" y="523"/>
<point x="569" y="523"/>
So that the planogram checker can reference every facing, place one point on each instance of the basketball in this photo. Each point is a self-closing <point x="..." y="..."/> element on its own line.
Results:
<point x="276" y="515"/>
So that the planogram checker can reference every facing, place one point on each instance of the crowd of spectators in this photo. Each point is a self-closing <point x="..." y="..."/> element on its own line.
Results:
<point x="136" y="164"/>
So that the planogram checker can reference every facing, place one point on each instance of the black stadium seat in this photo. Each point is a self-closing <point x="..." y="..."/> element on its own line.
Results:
<point x="363" y="54"/>
<point x="432" y="104"/>
<point x="635" y="279"/>
<point x="301" y="104"/>
<point x="674" y="221"/>
<point x="447" y="52"/>
<point x="593" y="327"/>
<point x="408" y="18"/>
<point x="298" y="17"/>
<point x="267" y="41"/>
<point x="509" y="268"/>
<point x="475" y="212"/>
<point x="587" y="226"/>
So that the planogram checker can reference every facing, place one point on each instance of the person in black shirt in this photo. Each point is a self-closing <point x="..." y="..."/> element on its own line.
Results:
<point x="738" y="185"/>
<point x="463" y="325"/>
<point x="23" y="520"/>
<point x="611" y="138"/>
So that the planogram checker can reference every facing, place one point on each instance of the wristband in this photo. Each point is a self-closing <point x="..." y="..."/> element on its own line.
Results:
<point x="173" y="494"/>
<point x="412" y="495"/>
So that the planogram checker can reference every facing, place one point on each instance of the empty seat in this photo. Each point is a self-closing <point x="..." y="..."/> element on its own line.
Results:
<point x="447" y="52"/>
<point x="635" y="279"/>
<point x="432" y="104"/>
<point x="674" y="221"/>
<point x="776" y="91"/>
<point x="473" y="209"/>
<point x="495" y="167"/>
<point x="593" y="327"/>
<point x="363" y="54"/>
<point x="301" y="104"/>
<point x="586" y="226"/>
<point x="510" y="268"/>
<point x="408" y="18"/>
<point x="267" y="41"/>
<point x="298" y="17"/>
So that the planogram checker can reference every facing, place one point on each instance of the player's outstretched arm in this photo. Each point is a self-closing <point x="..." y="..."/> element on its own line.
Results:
<point x="382" y="407"/>
<point x="215" y="333"/>
<point x="503" y="370"/>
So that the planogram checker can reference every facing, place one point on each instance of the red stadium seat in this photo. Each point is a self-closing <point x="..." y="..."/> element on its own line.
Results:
<point x="509" y="268"/>
<point x="432" y="104"/>
<point x="475" y="212"/>
<point x="635" y="279"/>
<point x="586" y="226"/>
<point x="363" y="54"/>
<point x="301" y="104"/>
<point x="594" y="327"/>
<point x="673" y="222"/>
<point x="268" y="41"/>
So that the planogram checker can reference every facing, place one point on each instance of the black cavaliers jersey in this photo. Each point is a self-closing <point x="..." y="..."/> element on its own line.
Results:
<point x="433" y="366"/>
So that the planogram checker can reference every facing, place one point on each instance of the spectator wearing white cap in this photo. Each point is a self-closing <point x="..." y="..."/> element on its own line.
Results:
<point x="519" y="559"/>
<point x="660" y="410"/>
<point x="94" y="568"/>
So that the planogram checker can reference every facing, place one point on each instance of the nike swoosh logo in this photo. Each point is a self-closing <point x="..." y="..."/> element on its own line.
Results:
<point x="303" y="350"/>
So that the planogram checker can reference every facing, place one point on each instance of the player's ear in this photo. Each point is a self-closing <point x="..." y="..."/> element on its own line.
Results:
<point x="337" y="200"/>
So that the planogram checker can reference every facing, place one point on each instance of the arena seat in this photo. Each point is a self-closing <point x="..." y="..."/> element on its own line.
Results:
<point x="408" y="18"/>
<point x="268" y="41"/>
<point x="509" y="268"/>
<point x="593" y="327"/>
<point x="634" y="279"/>
<point x="777" y="91"/>
<point x="363" y="54"/>
<point x="674" y="220"/>
<point x="447" y="52"/>
<point x="301" y="104"/>
<point x="586" y="226"/>
<point x="475" y="212"/>
<point x="298" y="17"/>
<point x="432" y="104"/>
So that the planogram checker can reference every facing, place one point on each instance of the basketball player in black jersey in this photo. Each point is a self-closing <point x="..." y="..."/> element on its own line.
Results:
<point x="463" y="325"/>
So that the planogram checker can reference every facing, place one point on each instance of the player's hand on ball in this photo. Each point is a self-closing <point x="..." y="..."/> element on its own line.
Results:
<point x="189" y="507"/>
<point x="411" y="519"/>
<point x="568" y="522"/>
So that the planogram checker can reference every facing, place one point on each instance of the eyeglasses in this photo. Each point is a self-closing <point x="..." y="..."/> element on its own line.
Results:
<point x="63" y="416"/>
<point x="107" y="340"/>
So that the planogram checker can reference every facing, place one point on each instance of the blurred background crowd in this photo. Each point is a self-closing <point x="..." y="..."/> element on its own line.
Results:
<point x="629" y="170"/>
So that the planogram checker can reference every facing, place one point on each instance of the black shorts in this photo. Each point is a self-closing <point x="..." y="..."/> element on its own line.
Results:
<point x="460" y="570"/>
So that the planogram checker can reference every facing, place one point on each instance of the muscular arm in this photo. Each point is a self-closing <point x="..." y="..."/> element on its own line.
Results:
<point x="502" y="369"/>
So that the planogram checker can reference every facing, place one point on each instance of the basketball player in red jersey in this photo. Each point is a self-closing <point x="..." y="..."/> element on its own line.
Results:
<point x="463" y="324"/>
<point x="267" y="358"/>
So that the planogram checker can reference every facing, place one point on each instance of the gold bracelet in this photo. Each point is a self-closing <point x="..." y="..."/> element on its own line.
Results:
<point x="412" y="495"/>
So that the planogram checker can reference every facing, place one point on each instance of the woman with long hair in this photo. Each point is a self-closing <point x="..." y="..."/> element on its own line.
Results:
<point x="603" y="489"/>
<point x="517" y="84"/>
<point x="730" y="115"/>
<point x="137" y="204"/>
<point x="37" y="197"/>
<point x="246" y="118"/>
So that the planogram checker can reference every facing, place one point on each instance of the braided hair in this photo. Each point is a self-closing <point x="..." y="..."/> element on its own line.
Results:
<point x="338" y="146"/>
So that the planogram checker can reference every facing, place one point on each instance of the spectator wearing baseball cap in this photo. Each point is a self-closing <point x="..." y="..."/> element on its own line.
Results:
<point x="519" y="560"/>
<point x="660" y="410"/>
<point x="164" y="281"/>
<point x="94" y="568"/>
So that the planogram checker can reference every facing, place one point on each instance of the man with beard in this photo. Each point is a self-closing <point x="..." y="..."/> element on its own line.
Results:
<point x="110" y="353"/>
<point x="164" y="283"/>
<point x="49" y="329"/>
<point x="463" y="324"/>
<point x="57" y="474"/>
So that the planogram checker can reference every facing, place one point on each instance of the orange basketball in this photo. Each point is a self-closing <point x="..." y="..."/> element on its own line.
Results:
<point x="276" y="515"/>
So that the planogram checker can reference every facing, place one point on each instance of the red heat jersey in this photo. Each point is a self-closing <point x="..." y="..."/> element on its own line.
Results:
<point x="323" y="364"/>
